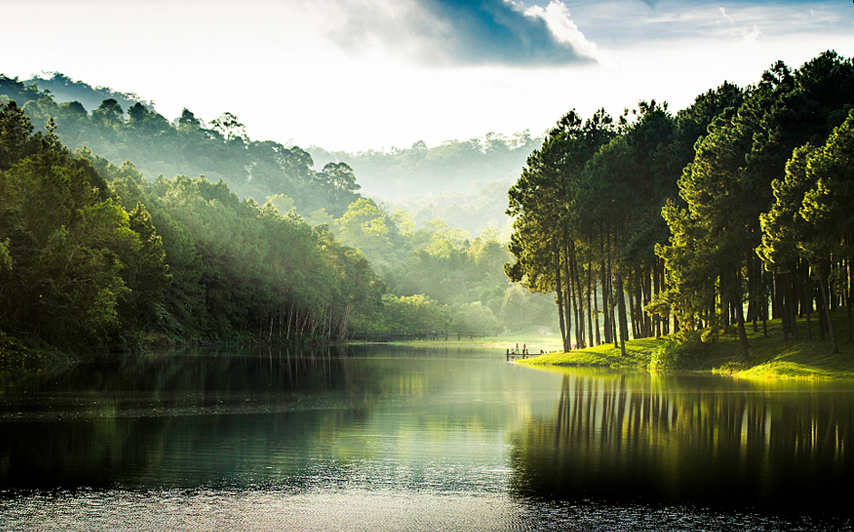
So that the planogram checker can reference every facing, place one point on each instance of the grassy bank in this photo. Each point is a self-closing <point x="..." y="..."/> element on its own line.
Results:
<point x="770" y="356"/>
<point x="531" y="338"/>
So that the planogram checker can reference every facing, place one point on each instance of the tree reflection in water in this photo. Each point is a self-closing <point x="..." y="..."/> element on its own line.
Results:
<point x="709" y="443"/>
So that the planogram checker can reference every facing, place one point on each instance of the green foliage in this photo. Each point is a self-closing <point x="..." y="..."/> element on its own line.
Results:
<point x="673" y="354"/>
<point x="121" y="127"/>
<point x="64" y="236"/>
<point x="414" y="313"/>
<point x="94" y="255"/>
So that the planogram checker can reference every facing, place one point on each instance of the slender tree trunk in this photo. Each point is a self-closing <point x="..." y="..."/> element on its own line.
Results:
<point x="724" y="302"/>
<point x="290" y="319"/>
<point x="647" y="297"/>
<point x="847" y="292"/>
<point x="621" y="301"/>
<point x="806" y="305"/>
<point x="577" y="299"/>
<point x="775" y="299"/>
<point x="567" y="289"/>
<point x="621" y="312"/>
<point x="612" y="300"/>
<point x="735" y="301"/>
<point x="834" y="345"/>
<point x="596" y="313"/>
<point x="559" y="290"/>
<point x="789" y="309"/>
<point x="606" y="303"/>
<point x="631" y="316"/>
<point x="589" y="306"/>
<point x="656" y="291"/>
<point x="822" y="309"/>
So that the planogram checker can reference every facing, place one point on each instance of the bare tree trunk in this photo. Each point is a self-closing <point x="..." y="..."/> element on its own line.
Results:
<point x="621" y="302"/>
<point x="559" y="290"/>
<point x="823" y="284"/>
<point x="567" y="290"/>
<point x="596" y="314"/>
<point x="606" y="303"/>
<point x="739" y="316"/>
<point x="847" y="270"/>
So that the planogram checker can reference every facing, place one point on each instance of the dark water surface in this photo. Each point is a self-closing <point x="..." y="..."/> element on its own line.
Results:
<point x="384" y="438"/>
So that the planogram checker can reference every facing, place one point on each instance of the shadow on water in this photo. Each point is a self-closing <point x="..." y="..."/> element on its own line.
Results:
<point x="205" y="412"/>
<point x="708" y="443"/>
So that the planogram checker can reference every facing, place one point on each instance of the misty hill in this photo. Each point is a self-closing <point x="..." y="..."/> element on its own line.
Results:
<point x="64" y="89"/>
<point x="462" y="182"/>
<point x="220" y="150"/>
<point x="450" y="167"/>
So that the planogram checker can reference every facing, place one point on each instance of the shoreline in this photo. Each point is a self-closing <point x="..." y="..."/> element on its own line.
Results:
<point x="770" y="357"/>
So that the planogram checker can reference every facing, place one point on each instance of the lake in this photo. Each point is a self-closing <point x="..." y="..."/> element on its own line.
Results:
<point x="407" y="438"/>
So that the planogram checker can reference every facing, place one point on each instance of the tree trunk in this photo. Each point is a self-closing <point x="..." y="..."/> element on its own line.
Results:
<point x="559" y="290"/>
<point x="834" y="346"/>
<point x="577" y="298"/>
<point x="606" y="304"/>
<point x="567" y="291"/>
<point x="789" y="308"/>
<point x="589" y="307"/>
<point x="621" y="301"/>
<point x="621" y="312"/>
<point x="848" y="298"/>
<point x="596" y="314"/>
<point x="736" y="303"/>
<point x="656" y="289"/>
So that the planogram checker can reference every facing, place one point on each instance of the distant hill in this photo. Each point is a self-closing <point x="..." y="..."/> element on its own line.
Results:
<point x="463" y="182"/>
<point x="452" y="166"/>
<point x="221" y="150"/>
<point x="64" y="89"/>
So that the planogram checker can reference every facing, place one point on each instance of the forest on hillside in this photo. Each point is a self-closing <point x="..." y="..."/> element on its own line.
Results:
<point x="218" y="265"/>
<point x="732" y="211"/>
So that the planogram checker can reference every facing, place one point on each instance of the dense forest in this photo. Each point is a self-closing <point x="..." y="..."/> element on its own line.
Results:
<point x="733" y="211"/>
<point x="124" y="258"/>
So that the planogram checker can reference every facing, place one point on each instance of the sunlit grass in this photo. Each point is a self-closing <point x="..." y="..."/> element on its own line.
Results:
<point x="600" y="356"/>
<point x="770" y="357"/>
<point x="531" y="338"/>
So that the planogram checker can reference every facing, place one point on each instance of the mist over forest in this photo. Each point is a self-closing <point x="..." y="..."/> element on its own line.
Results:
<point x="387" y="267"/>
<point x="461" y="182"/>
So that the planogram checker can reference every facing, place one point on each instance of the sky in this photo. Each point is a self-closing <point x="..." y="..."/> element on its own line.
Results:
<point x="371" y="74"/>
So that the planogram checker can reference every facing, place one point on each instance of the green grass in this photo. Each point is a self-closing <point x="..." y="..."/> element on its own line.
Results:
<point x="533" y="339"/>
<point x="770" y="357"/>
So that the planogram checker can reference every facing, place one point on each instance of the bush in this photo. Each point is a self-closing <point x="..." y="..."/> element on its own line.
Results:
<point x="674" y="355"/>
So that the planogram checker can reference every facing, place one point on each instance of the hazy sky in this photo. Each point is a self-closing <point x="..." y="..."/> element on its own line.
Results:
<point x="358" y="74"/>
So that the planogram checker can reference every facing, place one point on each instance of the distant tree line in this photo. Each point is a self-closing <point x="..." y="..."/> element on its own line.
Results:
<point x="186" y="145"/>
<point x="734" y="210"/>
<point x="449" y="167"/>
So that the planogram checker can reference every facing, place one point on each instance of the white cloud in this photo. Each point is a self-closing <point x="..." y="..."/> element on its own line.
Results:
<point x="557" y="19"/>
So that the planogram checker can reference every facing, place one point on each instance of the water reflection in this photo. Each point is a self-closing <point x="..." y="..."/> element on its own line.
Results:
<point x="167" y="420"/>
<point x="392" y="418"/>
<point x="711" y="442"/>
<point x="330" y="430"/>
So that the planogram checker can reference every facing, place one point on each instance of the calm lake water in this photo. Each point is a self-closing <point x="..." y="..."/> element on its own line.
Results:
<point x="385" y="438"/>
